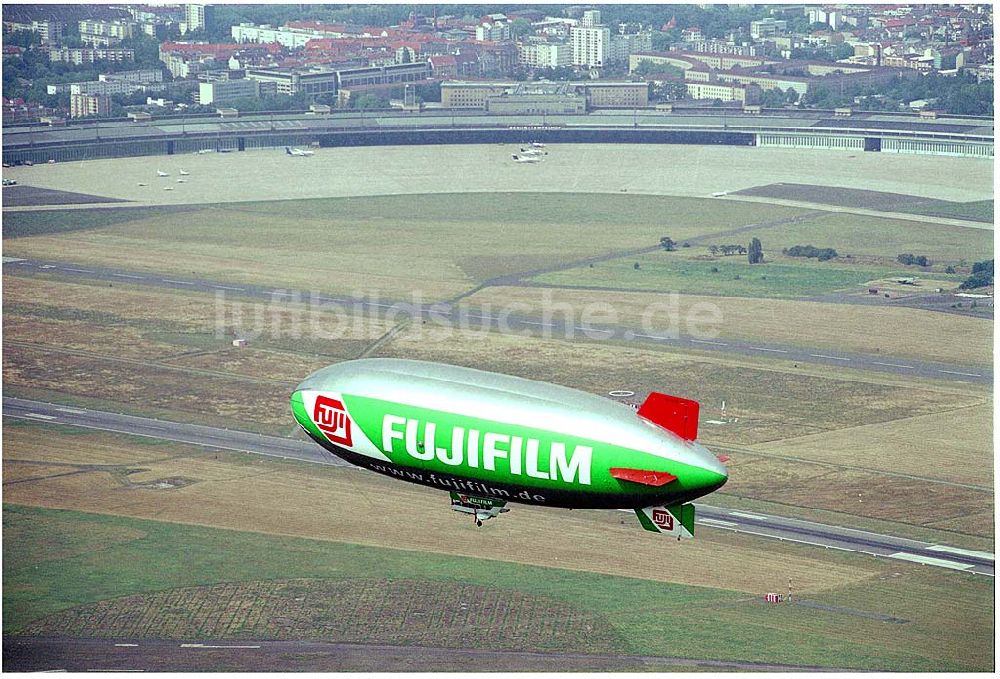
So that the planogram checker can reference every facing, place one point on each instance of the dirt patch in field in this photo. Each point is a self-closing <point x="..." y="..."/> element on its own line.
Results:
<point x="404" y="612"/>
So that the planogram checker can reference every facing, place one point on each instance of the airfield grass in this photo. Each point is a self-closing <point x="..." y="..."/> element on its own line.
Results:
<point x="965" y="458"/>
<point x="731" y="276"/>
<point x="894" y="332"/>
<point x="76" y="573"/>
<point x="155" y="353"/>
<point x="436" y="245"/>
<point x="873" y="236"/>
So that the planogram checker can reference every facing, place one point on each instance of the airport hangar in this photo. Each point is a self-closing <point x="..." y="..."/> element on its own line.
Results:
<point x="228" y="130"/>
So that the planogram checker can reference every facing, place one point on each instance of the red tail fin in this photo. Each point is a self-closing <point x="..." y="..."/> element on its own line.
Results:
<point x="679" y="415"/>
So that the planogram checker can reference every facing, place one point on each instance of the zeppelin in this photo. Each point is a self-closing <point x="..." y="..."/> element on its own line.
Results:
<point x="490" y="439"/>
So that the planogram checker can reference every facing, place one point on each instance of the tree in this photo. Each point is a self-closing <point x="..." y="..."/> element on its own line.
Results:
<point x="755" y="253"/>
<point x="668" y="244"/>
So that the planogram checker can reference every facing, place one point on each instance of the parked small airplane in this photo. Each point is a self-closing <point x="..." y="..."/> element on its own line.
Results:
<point x="184" y="173"/>
<point x="533" y="152"/>
<point x="298" y="152"/>
<point x="525" y="159"/>
<point x="161" y="173"/>
<point x="537" y="145"/>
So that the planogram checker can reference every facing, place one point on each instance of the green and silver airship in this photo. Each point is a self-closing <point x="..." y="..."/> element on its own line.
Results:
<point x="490" y="439"/>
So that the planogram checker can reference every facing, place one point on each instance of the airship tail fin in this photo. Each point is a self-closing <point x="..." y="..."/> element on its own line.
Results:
<point x="675" y="520"/>
<point x="679" y="415"/>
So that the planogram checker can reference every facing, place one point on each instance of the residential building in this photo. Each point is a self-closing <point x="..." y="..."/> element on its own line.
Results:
<point x="545" y="54"/>
<point x="99" y="33"/>
<point x="591" y="45"/>
<point x="137" y="77"/>
<point x="197" y="17"/>
<point x="767" y="28"/>
<point x="496" y="31"/>
<point x="88" y="55"/>
<point x="81" y="105"/>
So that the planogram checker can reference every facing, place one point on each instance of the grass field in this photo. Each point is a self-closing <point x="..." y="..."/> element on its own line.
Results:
<point x="128" y="578"/>
<point x="364" y="508"/>
<point x="871" y="236"/>
<point x="897" y="332"/>
<point x="959" y="441"/>
<point x="730" y="276"/>
<point x="391" y="245"/>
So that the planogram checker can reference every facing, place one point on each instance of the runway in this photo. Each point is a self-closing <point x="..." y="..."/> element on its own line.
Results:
<point x="37" y="654"/>
<point x="473" y="319"/>
<point x="820" y="536"/>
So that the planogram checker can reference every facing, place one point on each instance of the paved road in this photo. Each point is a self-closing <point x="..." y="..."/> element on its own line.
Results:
<point x="775" y="527"/>
<point x="36" y="654"/>
<point x="473" y="319"/>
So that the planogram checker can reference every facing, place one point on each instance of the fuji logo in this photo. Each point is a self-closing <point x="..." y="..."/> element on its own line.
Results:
<point x="663" y="519"/>
<point x="332" y="419"/>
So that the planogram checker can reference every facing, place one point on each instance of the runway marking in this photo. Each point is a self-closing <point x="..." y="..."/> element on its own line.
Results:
<point x="955" y="372"/>
<point x="835" y="358"/>
<point x="652" y="336"/>
<point x="125" y="275"/>
<point x="930" y="561"/>
<point x="11" y="260"/>
<point x="721" y="344"/>
<point x="548" y="325"/>
<point x="167" y="280"/>
<point x="748" y="516"/>
<point x="893" y="365"/>
<point x="961" y="552"/>
<point x="74" y="411"/>
<point x="217" y="646"/>
<point x="227" y="287"/>
<point x="717" y="522"/>
<point x="66" y="268"/>
<point x="777" y="351"/>
<point x="127" y="645"/>
<point x="39" y="416"/>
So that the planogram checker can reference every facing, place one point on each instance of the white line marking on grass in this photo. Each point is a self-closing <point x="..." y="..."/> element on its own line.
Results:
<point x="930" y="561"/>
<point x="717" y="522"/>
<point x="748" y="516"/>
<point x="961" y="552"/>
